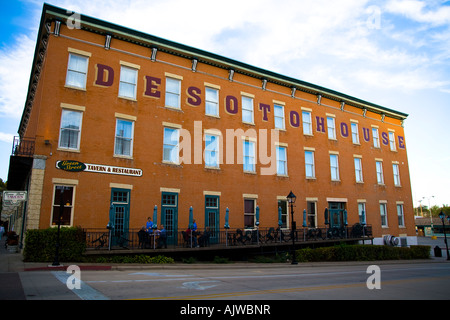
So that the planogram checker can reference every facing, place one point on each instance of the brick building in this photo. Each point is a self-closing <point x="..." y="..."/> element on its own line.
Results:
<point x="126" y="121"/>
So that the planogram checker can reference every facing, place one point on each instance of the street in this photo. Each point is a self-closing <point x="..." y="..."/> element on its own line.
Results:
<point x="253" y="282"/>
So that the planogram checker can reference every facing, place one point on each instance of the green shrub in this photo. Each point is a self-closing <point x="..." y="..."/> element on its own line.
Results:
<point x="362" y="253"/>
<point x="40" y="245"/>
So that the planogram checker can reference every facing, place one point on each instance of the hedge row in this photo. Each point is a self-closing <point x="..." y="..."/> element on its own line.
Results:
<point x="362" y="253"/>
<point x="143" y="259"/>
<point x="40" y="245"/>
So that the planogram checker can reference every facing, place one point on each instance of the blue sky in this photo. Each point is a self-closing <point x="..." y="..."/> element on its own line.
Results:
<point x="395" y="53"/>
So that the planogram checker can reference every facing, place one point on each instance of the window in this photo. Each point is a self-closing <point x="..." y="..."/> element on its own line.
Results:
<point x="311" y="211"/>
<point x="392" y="141"/>
<point x="211" y="151"/>
<point x="358" y="170"/>
<point x="309" y="164"/>
<point x="334" y="166"/>
<point x="284" y="213"/>
<point x="128" y="82"/>
<point x="396" y="174"/>
<point x="379" y="167"/>
<point x="77" y="71"/>
<point x="173" y="92"/>
<point x="249" y="213"/>
<point x="383" y="214"/>
<point x="211" y="102"/>
<point x="70" y="132"/>
<point x="67" y="200"/>
<point x="249" y="156"/>
<point x="361" y="212"/>
<point x="124" y="138"/>
<point x="281" y="161"/>
<point x="279" y="116"/>
<point x="355" y="133"/>
<point x="331" y="128"/>
<point x="307" y="122"/>
<point x="171" y="145"/>
<point x="401" y="219"/>
<point x="247" y="109"/>
<point x="376" y="138"/>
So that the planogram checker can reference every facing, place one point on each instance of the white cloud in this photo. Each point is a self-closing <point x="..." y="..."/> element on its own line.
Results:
<point x="15" y="68"/>
<point x="420" y="11"/>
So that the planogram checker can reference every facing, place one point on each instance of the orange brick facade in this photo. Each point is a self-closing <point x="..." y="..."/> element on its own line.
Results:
<point x="147" y="176"/>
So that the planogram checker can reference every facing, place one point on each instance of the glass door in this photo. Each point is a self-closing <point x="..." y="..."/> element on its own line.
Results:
<point x="212" y="218"/>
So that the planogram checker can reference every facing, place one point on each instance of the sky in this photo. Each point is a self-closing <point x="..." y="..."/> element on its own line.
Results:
<point x="394" y="53"/>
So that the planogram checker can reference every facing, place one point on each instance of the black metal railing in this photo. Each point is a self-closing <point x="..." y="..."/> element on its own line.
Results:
<point x="109" y="239"/>
<point x="23" y="147"/>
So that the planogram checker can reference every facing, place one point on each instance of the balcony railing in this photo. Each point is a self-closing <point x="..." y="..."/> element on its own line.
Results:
<point x="23" y="147"/>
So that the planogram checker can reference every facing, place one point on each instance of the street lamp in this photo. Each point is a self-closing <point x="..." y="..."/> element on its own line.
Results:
<point x="291" y="199"/>
<point x="442" y="216"/>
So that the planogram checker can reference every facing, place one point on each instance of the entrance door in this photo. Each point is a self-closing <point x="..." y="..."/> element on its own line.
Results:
<point x="212" y="217"/>
<point x="336" y="210"/>
<point x="120" y="201"/>
<point x="169" y="215"/>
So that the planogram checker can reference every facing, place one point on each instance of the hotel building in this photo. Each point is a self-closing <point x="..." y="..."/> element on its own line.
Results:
<point x="126" y="121"/>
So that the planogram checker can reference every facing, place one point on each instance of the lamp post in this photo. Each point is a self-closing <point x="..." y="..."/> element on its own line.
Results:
<point x="291" y="199"/>
<point x="442" y="216"/>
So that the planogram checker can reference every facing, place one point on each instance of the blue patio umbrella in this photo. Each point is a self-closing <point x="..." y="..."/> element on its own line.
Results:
<point x="345" y="218"/>
<point x="227" y="213"/>
<point x="326" y="215"/>
<point x="304" y="218"/>
<point x="280" y="222"/>
<point x="155" y="217"/>
<point x="257" y="215"/>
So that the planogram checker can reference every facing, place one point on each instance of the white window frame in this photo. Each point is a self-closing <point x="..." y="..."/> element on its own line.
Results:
<point x="331" y="127"/>
<point x="334" y="170"/>
<point x="251" y="156"/>
<point x="376" y="137"/>
<point x="358" y="169"/>
<point x="307" y="122"/>
<point x="310" y="166"/>
<point x="66" y="113"/>
<point x="392" y="145"/>
<point x="361" y="208"/>
<point x="383" y="214"/>
<point x="209" y="151"/>
<point x="379" y="170"/>
<point x="174" y="148"/>
<point x="212" y="102"/>
<point x="278" y="112"/>
<point x="281" y="163"/>
<point x="117" y="137"/>
<point x="396" y="172"/>
<point x="122" y="82"/>
<point x="400" y="215"/>
<point x="247" y="109"/>
<point x="79" y="72"/>
<point x="175" y="94"/>
<point x="355" y="132"/>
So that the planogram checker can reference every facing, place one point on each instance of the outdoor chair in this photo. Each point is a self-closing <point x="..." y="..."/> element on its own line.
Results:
<point x="270" y="236"/>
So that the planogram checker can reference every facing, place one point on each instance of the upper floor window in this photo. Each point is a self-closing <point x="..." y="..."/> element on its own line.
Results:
<point x="379" y="168"/>
<point x="281" y="161"/>
<point x="392" y="141"/>
<point x="355" y="133"/>
<point x="376" y="137"/>
<point x="309" y="164"/>
<point x="249" y="154"/>
<point x="278" y="111"/>
<point x="77" y="71"/>
<point x="331" y="128"/>
<point x="128" y="82"/>
<point x="211" y="151"/>
<point x="247" y="110"/>
<point x="173" y="93"/>
<point x="396" y="174"/>
<point x="70" y="131"/>
<point x="334" y="167"/>
<point x="358" y="169"/>
<point x="171" y="145"/>
<point x="124" y="138"/>
<point x="211" y="101"/>
<point x="307" y="122"/>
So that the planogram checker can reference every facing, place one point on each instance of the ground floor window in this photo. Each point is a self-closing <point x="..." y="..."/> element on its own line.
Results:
<point x="284" y="213"/>
<point x="311" y="213"/>
<point x="249" y="213"/>
<point x="63" y="197"/>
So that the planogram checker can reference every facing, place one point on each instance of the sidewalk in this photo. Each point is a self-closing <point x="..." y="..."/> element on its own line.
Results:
<point x="13" y="262"/>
